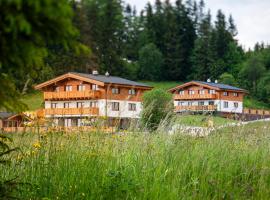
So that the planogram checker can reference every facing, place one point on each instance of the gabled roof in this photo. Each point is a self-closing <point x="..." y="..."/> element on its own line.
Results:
<point x="10" y="115"/>
<point x="96" y="79"/>
<point x="221" y="86"/>
<point x="5" y="115"/>
<point x="111" y="79"/>
<point x="210" y="85"/>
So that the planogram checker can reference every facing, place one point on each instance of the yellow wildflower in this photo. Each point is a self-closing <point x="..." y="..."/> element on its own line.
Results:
<point x="37" y="145"/>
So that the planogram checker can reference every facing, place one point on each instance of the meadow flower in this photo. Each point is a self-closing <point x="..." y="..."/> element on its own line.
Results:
<point x="37" y="145"/>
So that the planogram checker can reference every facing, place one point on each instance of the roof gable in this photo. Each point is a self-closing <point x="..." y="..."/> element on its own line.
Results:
<point x="210" y="85"/>
<point x="95" y="79"/>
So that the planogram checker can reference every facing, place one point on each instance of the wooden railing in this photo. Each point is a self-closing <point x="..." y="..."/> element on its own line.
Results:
<point x="194" y="96"/>
<point x="72" y="95"/>
<point x="196" y="108"/>
<point x="72" y="111"/>
<point x="256" y="111"/>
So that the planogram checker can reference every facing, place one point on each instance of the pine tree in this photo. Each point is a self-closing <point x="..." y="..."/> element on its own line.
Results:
<point x="203" y="56"/>
<point x="107" y="27"/>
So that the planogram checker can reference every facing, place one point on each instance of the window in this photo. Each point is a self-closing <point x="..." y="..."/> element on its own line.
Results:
<point x="81" y="87"/>
<point x="191" y="92"/>
<point x="115" y="106"/>
<point x="211" y="103"/>
<point x="80" y="104"/>
<point x="56" y="89"/>
<point x="190" y="103"/>
<point x="66" y="105"/>
<point x="53" y="105"/>
<point x="132" y="92"/>
<point x="93" y="104"/>
<point x="68" y="88"/>
<point x="235" y="94"/>
<point x="94" y="87"/>
<point x="132" y="107"/>
<point x="181" y="92"/>
<point x="201" y="92"/>
<point x="225" y="94"/>
<point x="212" y="91"/>
<point x="235" y="104"/>
<point x="226" y="104"/>
<point x="115" y="90"/>
<point x="201" y="103"/>
<point x="181" y="103"/>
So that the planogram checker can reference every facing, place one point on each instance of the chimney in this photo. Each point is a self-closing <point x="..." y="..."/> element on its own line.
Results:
<point x="95" y="72"/>
<point x="216" y="81"/>
<point x="209" y="80"/>
<point x="107" y="74"/>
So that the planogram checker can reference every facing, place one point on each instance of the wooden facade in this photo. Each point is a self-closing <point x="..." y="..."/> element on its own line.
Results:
<point x="75" y="96"/>
<point x="207" y="96"/>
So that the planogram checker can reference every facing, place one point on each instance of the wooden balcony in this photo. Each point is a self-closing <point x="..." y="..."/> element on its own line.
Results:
<point x="196" y="108"/>
<point x="194" y="96"/>
<point x="72" y="95"/>
<point x="72" y="111"/>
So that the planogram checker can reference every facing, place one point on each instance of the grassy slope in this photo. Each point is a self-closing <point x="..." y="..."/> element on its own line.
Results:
<point x="233" y="164"/>
<point x="34" y="100"/>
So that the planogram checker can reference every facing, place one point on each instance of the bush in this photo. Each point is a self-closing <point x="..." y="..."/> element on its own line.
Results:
<point x="157" y="106"/>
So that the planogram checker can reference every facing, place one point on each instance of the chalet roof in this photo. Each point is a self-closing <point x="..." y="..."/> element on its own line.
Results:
<point x="96" y="79"/>
<point x="5" y="115"/>
<point x="216" y="86"/>
<point x="220" y="86"/>
<point x="111" y="79"/>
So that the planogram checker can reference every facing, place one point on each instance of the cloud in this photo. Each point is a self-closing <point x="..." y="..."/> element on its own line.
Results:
<point x="252" y="17"/>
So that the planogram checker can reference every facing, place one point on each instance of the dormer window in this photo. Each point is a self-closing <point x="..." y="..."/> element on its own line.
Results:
<point x="132" y="92"/>
<point x="68" y="88"/>
<point x="115" y="90"/>
<point x="81" y="87"/>
<point x="181" y="92"/>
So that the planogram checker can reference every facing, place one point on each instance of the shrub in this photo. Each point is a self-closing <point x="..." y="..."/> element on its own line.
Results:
<point x="157" y="106"/>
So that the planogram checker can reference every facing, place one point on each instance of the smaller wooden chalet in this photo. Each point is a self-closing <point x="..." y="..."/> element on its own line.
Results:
<point x="200" y="96"/>
<point x="12" y="122"/>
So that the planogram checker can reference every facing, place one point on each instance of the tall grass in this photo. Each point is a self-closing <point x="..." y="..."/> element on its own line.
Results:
<point x="231" y="164"/>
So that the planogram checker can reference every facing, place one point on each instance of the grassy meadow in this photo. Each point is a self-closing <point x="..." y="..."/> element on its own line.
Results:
<point x="233" y="163"/>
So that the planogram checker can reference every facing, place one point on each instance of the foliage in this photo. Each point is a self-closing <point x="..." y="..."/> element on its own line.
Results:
<point x="158" y="106"/>
<point x="27" y="27"/>
<point x="252" y="71"/>
<point x="150" y="61"/>
<point x="144" y="166"/>
<point x="228" y="79"/>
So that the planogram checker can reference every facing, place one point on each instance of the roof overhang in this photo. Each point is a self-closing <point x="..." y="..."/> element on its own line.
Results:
<point x="203" y="85"/>
<point x="65" y="76"/>
<point x="192" y="83"/>
<point x="129" y="86"/>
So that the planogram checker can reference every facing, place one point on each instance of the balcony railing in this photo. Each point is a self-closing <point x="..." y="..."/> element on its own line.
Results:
<point x="72" y="95"/>
<point x="72" y="111"/>
<point x="196" y="108"/>
<point x="256" y="111"/>
<point x="194" y="96"/>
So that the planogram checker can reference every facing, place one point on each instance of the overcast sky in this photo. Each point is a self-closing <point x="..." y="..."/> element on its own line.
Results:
<point x="252" y="17"/>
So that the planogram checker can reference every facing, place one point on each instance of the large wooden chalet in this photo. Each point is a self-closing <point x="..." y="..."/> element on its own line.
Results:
<point x="199" y="96"/>
<point x="74" y="97"/>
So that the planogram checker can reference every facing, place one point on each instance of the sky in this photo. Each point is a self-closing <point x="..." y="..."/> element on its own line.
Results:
<point x="252" y="17"/>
